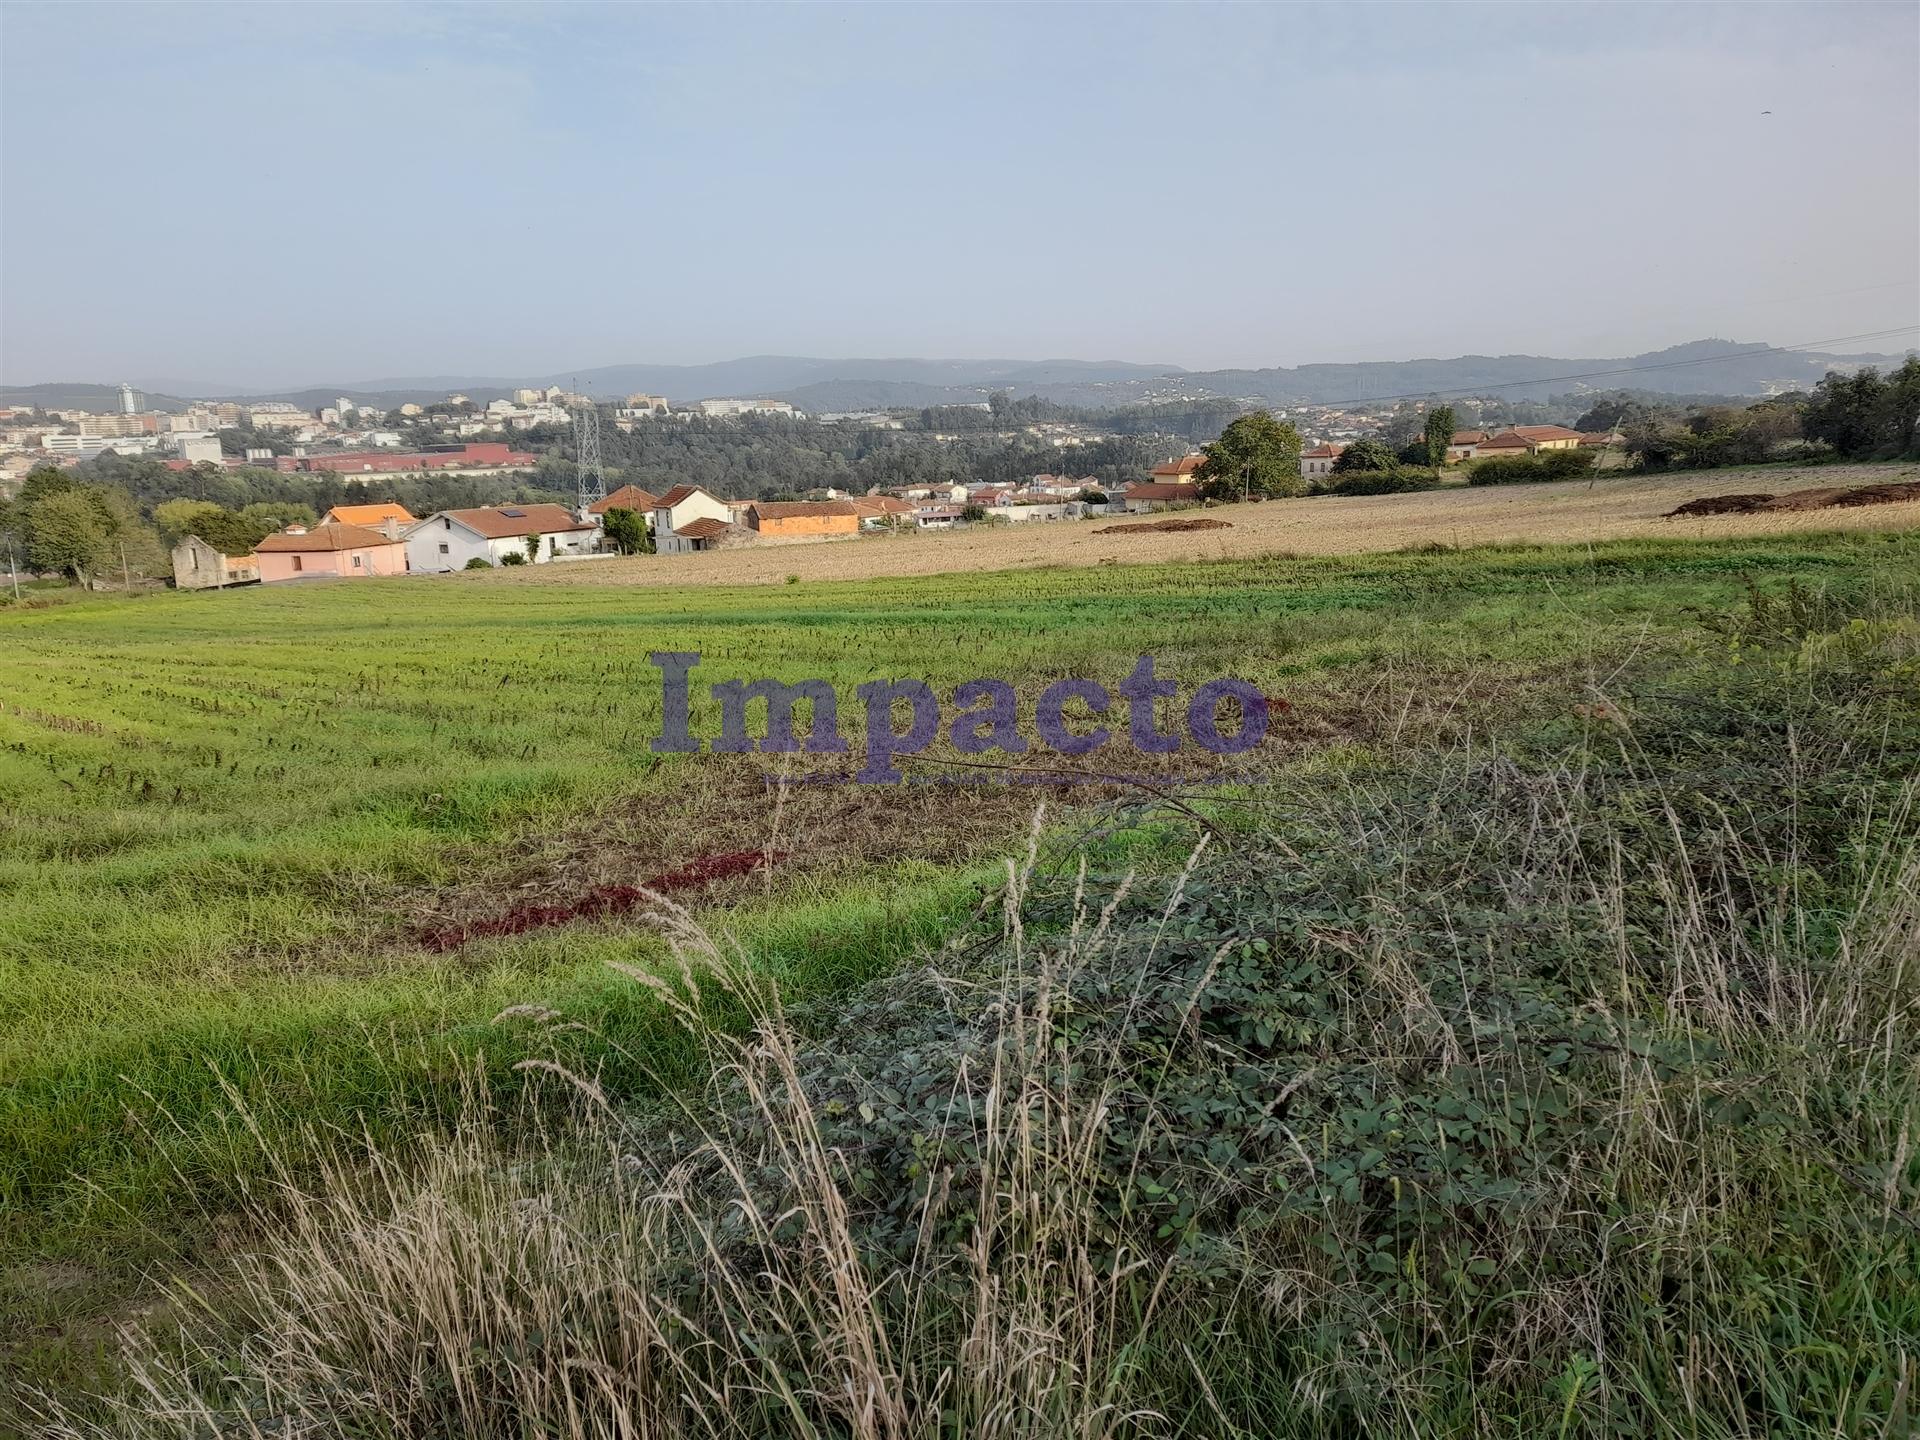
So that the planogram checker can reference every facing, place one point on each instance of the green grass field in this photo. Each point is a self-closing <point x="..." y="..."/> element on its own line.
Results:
<point x="227" y="817"/>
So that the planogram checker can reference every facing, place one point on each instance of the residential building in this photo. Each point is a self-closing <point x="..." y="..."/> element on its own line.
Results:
<point x="1548" y="437"/>
<point x="120" y="426"/>
<point x="726" y="409"/>
<point x="483" y="458"/>
<point x="448" y="539"/>
<point x="684" y="506"/>
<point x="328" y="552"/>
<point x="802" y="519"/>
<point x="1317" y="463"/>
<point x="198" y="449"/>
<point x="937" y="517"/>
<point x="198" y="566"/>
<point x="390" y="518"/>
<point x="704" y="534"/>
<point x="877" y="512"/>
<point x="1174" y="472"/>
<point x="1503" y="446"/>
<point x="1465" y="444"/>
<point x="1153" y="495"/>
<point x="627" y="497"/>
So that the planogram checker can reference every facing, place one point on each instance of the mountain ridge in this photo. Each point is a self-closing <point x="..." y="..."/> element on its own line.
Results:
<point x="816" y="384"/>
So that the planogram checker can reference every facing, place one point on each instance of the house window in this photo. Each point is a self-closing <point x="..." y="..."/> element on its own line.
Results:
<point x="296" y="562"/>
<point x="356" y="562"/>
<point x="443" y="547"/>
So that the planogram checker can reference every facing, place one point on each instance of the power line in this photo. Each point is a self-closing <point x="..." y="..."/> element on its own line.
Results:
<point x="1628" y="369"/>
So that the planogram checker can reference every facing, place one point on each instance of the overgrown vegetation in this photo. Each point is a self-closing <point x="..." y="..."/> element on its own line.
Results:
<point x="1565" y="1084"/>
<point x="1528" y="469"/>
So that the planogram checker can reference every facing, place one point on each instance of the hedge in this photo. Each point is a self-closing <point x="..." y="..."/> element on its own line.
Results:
<point x="1525" y="469"/>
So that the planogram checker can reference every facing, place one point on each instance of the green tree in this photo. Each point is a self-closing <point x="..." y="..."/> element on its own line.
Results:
<point x="1849" y="412"/>
<point x="1403" y="427"/>
<point x="1255" y="455"/>
<point x="1371" y="455"/>
<point x="627" y="531"/>
<point x="66" y="533"/>
<point x="178" y="519"/>
<point x="1902" y="404"/>
<point x="272" y="515"/>
<point x="1440" y="429"/>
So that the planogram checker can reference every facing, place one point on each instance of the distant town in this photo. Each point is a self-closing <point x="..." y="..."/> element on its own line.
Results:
<point x="209" y="493"/>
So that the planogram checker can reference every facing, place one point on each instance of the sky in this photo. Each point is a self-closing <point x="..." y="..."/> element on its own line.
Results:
<point x="289" y="194"/>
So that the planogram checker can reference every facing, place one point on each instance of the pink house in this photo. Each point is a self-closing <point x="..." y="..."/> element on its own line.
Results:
<point x="297" y="553"/>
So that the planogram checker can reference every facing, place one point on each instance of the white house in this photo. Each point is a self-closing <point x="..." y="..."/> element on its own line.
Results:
<point x="684" y="506"/>
<point x="538" y="534"/>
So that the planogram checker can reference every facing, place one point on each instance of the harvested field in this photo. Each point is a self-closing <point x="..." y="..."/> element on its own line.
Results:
<point x="1604" y="508"/>
<point x="1824" y="497"/>
<point x="1166" y="527"/>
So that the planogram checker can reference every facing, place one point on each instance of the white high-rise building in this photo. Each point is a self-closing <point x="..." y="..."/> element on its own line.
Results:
<point x="130" y="400"/>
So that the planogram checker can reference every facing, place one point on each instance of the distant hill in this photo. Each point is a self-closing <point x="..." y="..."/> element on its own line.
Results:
<point x="74" y="395"/>
<point x="1721" y="367"/>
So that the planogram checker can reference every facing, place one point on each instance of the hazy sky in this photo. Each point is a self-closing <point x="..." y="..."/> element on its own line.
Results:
<point x="269" y="195"/>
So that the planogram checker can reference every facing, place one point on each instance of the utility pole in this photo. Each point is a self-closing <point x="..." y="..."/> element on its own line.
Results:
<point x="126" y="580"/>
<point x="13" y="573"/>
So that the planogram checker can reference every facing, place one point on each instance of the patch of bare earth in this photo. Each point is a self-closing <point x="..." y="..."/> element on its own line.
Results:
<point x="1176" y="526"/>
<point x="1824" y="497"/>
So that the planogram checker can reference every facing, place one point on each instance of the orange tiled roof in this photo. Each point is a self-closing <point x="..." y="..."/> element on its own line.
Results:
<point x="368" y="514"/>
<point x="322" y="538"/>
<point x="627" y="497"/>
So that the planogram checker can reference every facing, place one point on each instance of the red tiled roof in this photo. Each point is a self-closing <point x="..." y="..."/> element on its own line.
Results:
<point x="1467" y="437"/>
<point x="627" y="497"/>
<point x="680" y="492"/>
<point x="1163" y="492"/>
<point x="508" y="521"/>
<point x="702" y="529"/>
<point x="1509" y="441"/>
<point x="1186" y="465"/>
<point x="800" y="509"/>
<point x="322" y="538"/>
<point x="1323" y="452"/>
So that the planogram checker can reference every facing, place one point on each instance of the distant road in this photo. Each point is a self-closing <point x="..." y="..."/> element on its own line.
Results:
<point x="1603" y="509"/>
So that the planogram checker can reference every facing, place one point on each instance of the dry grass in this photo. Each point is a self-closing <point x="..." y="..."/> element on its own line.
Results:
<point x="595" y="1289"/>
<point x="1605" y="508"/>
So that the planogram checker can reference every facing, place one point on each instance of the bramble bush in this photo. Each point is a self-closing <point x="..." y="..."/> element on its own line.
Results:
<point x="1527" y="469"/>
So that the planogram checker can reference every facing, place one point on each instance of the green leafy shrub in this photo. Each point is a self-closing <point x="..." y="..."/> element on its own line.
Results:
<point x="478" y="562"/>
<point x="1528" y="469"/>
<point x="1377" y="482"/>
<point x="513" y="557"/>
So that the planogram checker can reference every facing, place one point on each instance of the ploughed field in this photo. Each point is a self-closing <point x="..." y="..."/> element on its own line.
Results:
<point x="1612" y="505"/>
<point x="288" y="852"/>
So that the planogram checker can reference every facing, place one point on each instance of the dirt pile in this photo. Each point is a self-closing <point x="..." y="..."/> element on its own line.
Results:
<point x="1164" y="527"/>
<point x="1824" y="497"/>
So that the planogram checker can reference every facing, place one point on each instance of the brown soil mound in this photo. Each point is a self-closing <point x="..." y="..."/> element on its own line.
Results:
<point x="1878" y="495"/>
<point x="1164" y="527"/>
<point x="1724" y="505"/>
<point x="1820" y="498"/>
